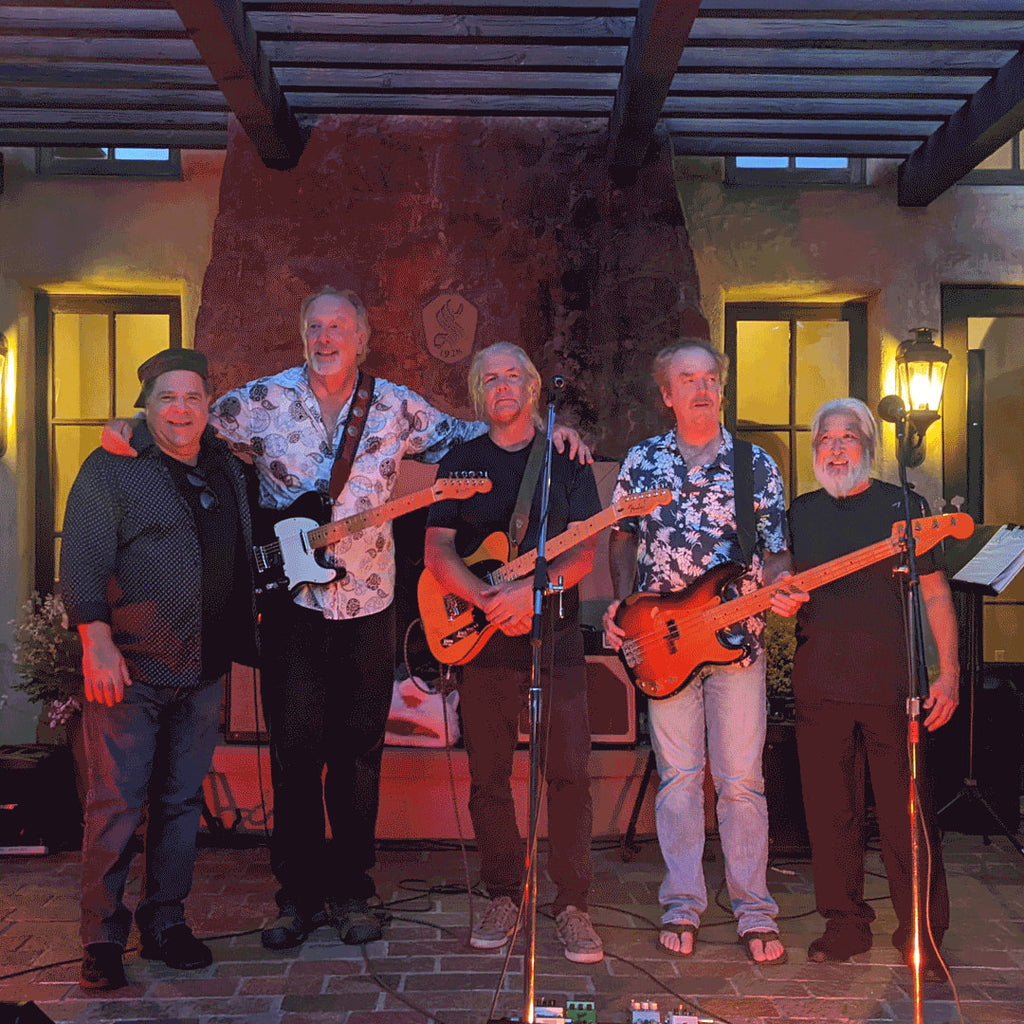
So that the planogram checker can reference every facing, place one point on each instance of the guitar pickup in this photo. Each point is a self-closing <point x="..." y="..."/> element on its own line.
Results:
<point x="260" y="555"/>
<point x="459" y="634"/>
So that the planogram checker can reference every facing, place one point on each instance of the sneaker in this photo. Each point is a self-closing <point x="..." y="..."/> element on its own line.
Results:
<point x="102" y="967"/>
<point x="178" y="948"/>
<point x="291" y="929"/>
<point x="495" y="928"/>
<point x="576" y="932"/>
<point x="355" y="922"/>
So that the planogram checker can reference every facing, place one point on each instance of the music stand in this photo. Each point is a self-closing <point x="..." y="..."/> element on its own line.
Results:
<point x="973" y="575"/>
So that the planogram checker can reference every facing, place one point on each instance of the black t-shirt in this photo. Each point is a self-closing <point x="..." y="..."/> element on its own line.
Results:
<point x="209" y="493"/>
<point x="851" y="641"/>
<point x="573" y="498"/>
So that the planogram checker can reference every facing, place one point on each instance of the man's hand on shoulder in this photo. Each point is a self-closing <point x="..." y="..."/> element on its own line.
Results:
<point x="116" y="438"/>
<point x="562" y="436"/>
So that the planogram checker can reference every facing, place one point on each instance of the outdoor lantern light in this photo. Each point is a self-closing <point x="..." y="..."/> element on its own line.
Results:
<point x="920" y="378"/>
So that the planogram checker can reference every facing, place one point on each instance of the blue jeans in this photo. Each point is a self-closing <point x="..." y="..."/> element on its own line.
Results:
<point x="157" y="744"/>
<point x="727" y="710"/>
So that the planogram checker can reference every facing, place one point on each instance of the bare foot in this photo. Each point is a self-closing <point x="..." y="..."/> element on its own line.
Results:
<point x="674" y="941"/>
<point x="766" y="952"/>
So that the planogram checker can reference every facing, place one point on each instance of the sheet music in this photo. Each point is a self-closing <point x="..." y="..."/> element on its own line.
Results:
<point x="998" y="562"/>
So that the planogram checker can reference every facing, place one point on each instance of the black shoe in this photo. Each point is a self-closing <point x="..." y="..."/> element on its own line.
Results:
<point x="839" y="943"/>
<point x="291" y="929"/>
<point x="102" y="967"/>
<point x="178" y="948"/>
<point x="355" y="922"/>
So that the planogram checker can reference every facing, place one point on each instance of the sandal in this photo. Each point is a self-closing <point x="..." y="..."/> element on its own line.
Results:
<point x="764" y="937"/>
<point x="679" y="928"/>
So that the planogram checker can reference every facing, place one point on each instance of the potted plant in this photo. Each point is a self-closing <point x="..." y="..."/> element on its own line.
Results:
<point x="48" y="657"/>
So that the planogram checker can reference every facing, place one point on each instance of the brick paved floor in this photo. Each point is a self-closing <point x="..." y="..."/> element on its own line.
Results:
<point x="423" y="967"/>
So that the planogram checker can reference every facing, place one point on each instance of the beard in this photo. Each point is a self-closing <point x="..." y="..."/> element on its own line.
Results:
<point x="840" y="482"/>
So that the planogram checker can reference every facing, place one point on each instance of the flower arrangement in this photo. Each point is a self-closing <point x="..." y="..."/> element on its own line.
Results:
<point x="48" y="657"/>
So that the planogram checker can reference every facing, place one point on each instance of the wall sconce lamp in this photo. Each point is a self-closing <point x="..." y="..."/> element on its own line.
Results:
<point x="4" y="362"/>
<point x="920" y="377"/>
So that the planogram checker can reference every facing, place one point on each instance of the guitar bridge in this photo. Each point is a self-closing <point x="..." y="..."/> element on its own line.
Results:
<point x="454" y="606"/>
<point x="631" y="653"/>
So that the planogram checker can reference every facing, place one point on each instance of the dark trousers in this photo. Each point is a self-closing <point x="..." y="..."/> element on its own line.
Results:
<point x="326" y="695"/>
<point x="829" y="735"/>
<point x="491" y="700"/>
<point x="156" y="744"/>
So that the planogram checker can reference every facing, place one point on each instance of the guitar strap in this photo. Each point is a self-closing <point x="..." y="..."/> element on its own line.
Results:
<point x="743" y="495"/>
<point x="521" y="516"/>
<point x="353" y="431"/>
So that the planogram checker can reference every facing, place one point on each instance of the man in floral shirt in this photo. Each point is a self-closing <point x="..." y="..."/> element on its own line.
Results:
<point x="665" y="552"/>
<point x="328" y="652"/>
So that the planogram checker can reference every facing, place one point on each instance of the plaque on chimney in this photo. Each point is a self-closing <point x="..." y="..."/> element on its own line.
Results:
<point x="450" y="326"/>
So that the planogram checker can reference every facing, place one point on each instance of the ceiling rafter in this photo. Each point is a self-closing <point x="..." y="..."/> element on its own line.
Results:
<point x="228" y="45"/>
<point x="919" y="81"/>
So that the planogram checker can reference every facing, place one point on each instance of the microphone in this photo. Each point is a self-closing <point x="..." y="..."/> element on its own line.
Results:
<point x="556" y="386"/>
<point x="892" y="409"/>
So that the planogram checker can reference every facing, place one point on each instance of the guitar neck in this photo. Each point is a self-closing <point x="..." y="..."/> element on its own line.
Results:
<point x="557" y="545"/>
<point x="737" y="609"/>
<point x="332" y="532"/>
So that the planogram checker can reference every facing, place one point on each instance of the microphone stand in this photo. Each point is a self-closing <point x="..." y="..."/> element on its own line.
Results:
<point x="918" y="679"/>
<point x="541" y="586"/>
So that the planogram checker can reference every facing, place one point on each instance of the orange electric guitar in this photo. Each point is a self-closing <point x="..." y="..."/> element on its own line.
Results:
<point x="671" y="637"/>
<point x="456" y="630"/>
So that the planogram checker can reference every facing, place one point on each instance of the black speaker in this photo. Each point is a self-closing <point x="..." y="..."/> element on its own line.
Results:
<point x="22" y="1013"/>
<point x="998" y="749"/>
<point x="787" y="825"/>
<point x="39" y="808"/>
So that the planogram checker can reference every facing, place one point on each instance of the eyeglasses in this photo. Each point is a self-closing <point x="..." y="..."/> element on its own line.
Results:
<point x="207" y="497"/>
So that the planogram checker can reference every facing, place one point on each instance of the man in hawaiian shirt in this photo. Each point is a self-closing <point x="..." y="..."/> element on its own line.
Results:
<point x="666" y="551"/>
<point x="328" y="652"/>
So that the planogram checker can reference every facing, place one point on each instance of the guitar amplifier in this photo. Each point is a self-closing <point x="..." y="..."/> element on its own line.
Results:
<point x="612" y="704"/>
<point x="243" y="708"/>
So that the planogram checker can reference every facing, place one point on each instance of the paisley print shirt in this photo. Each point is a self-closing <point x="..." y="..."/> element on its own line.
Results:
<point x="680" y="541"/>
<point x="277" y="421"/>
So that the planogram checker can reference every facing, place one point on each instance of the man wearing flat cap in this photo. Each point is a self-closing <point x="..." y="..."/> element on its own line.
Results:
<point x="155" y="575"/>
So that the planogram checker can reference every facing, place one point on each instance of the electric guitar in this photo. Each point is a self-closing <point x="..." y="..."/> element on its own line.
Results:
<point x="457" y="630"/>
<point x="305" y="527"/>
<point x="671" y="637"/>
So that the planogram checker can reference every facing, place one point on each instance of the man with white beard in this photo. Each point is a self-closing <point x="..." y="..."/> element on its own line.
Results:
<point x="850" y="684"/>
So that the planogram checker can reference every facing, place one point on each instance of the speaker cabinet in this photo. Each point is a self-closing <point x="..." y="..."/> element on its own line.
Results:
<point x="787" y="825"/>
<point x="612" y="703"/>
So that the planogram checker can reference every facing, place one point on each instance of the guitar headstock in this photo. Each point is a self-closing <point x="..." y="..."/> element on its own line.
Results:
<point x="930" y="530"/>
<point x="641" y="503"/>
<point x="463" y="485"/>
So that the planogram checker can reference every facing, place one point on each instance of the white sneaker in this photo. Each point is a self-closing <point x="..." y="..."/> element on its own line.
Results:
<point x="576" y="932"/>
<point x="495" y="928"/>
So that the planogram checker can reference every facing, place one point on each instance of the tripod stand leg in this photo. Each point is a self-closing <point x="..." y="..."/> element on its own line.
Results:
<point x="628" y="848"/>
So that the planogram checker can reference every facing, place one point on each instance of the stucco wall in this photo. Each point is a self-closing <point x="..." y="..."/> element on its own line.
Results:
<point x="80" y="235"/>
<point x="831" y="244"/>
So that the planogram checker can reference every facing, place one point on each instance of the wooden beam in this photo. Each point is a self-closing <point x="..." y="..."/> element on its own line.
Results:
<point x="992" y="116"/>
<point x="659" y="37"/>
<point x="228" y="44"/>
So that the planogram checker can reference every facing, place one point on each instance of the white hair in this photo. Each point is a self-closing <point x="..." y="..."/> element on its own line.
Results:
<point x="849" y="407"/>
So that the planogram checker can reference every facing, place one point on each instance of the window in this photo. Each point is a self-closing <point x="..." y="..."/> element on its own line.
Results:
<point x="794" y="170"/>
<point x="92" y="348"/>
<point x="1003" y="167"/>
<point x="784" y="362"/>
<point x="128" y="162"/>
